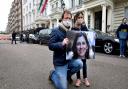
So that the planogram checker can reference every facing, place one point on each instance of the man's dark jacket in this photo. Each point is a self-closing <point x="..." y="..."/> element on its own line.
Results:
<point x="55" y="44"/>
<point x="14" y="35"/>
<point x="122" y="27"/>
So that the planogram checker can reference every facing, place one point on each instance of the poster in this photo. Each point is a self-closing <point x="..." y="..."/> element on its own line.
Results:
<point x="81" y="45"/>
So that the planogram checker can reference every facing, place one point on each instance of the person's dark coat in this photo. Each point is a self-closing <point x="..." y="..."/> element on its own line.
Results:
<point x="83" y="28"/>
<point x="55" y="44"/>
<point x="14" y="35"/>
<point x="21" y="36"/>
<point x="122" y="27"/>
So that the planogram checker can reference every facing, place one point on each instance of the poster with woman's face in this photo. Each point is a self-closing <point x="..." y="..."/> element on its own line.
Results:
<point x="82" y="44"/>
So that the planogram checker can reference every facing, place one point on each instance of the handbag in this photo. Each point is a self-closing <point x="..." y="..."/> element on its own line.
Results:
<point x="123" y="35"/>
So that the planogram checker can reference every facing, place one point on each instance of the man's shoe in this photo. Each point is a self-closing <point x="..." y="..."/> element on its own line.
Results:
<point x="120" y="56"/>
<point x="123" y="56"/>
<point x="50" y="75"/>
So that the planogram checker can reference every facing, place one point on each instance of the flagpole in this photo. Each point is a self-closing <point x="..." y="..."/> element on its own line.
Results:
<point x="63" y="4"/>
<point x="21" y="17"/>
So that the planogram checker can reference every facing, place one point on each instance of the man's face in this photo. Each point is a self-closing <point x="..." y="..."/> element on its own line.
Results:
<point x="125" y="20"/>
<point x="67" y="20"/>
<point x="67" y="16"/>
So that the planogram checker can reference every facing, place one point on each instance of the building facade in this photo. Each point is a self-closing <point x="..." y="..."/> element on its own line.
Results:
<point x="56" y="10"/>
<point x="32" y="18"/>
<point x="15" y="17"/>
<point x="104" y="15"/>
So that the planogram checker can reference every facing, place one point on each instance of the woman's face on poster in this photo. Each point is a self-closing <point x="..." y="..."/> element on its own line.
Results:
<point x="81" y="46"/>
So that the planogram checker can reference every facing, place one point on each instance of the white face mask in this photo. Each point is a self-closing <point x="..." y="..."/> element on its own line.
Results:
<point x="80" y="21"/>
<point x="67" y="23"/>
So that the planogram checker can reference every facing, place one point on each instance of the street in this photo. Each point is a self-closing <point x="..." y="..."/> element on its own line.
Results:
<point x="27" y="66"/>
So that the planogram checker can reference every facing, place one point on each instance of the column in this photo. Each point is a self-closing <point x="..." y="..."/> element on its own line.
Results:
<point x="57" y="21"/>
<point x="92" y="20"/>
<point x="51" y="24"/>
<point x="86" y="17"/>
<point x="109" y="19"/>
<point x="103" y="18"/>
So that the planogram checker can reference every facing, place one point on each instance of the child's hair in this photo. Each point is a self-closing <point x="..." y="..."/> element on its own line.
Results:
<point x="77" y="15"/>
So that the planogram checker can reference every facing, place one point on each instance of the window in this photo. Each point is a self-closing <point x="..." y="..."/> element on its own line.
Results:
<point x="26" y="8"/>
<point x="30" y="6"/>
<point x="126" y="12"/>
<point x="43" y="25"/>
<point x="56" y="4"/>
<point x="52" y="6"/>
<point x="80" y="2"/>
<point x="33" y="2"/>
<point x="89" y="21"/>
<point x="45" y="11"/>
<point x="30" y="17"/>
<point x="72" y="3"/>
<point x="33" y="16"/>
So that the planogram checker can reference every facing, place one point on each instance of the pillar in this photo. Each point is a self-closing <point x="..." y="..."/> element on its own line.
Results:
<point x="103" y="18"/>
<point x="86" y="17"/>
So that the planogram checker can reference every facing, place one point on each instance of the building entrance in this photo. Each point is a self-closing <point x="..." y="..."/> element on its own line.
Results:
<point x="98" y="20"/>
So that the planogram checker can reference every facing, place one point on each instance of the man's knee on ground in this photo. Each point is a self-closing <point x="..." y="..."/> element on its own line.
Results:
<point x="78" y="63"/>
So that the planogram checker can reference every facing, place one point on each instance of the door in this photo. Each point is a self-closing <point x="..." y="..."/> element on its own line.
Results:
<point x="98" y="20"/>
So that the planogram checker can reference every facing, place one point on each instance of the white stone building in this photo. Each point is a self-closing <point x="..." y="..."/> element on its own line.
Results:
<point x="14" y="17"/>
<point x="105" y="15"/>
<point x="32" y="19"/>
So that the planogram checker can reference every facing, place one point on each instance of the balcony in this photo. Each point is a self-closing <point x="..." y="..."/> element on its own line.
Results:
<point x="52" y="0"/>
<point x="56" y="10"/>
<point x="76" y="8"/>
<point x="42" y="19"/>
<point x="86" y="0"/>
<point x="118" y="1"/>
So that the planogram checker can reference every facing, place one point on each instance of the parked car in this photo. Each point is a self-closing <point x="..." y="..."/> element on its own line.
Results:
<point x="33" y="38"/>
<point x="44" y="36"/>
<point x="106" y="42"/>
<point x="17" y="38"/>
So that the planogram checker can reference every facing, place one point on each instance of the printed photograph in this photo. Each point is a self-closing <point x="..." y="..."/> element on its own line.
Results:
<point x="82" y="44"/>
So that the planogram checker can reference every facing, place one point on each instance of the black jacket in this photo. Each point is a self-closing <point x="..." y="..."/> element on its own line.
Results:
<point x="14" y="35"/>
<point x="83" y="28"/>
<point x="55" y="44"/>
<point x="122" y="27"/>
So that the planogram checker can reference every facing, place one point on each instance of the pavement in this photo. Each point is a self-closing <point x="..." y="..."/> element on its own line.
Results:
<point x="27" y="66"/>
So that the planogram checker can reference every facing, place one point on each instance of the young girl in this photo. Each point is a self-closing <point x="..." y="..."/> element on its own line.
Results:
<point x="78" y="26"/>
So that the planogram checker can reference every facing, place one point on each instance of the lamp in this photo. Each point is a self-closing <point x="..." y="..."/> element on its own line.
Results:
<point x="63" y="4"/>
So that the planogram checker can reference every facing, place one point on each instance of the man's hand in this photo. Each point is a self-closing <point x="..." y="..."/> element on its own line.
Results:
<point x="65" y="41"/>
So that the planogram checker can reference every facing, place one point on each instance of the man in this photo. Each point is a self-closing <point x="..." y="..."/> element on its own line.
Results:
<point x="58" y="43"/>
<point x="14" y="37"/>
<point x="122" y="33"/>
<point x="21" y="37"/>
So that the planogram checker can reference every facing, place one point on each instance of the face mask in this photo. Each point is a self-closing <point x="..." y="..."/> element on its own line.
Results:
<point x="67" y="23"/>
<point x="80" y="21"/>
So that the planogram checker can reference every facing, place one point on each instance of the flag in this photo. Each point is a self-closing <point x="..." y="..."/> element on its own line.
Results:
<point x="41" y="2"/>
<point x="44" y="6"/>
